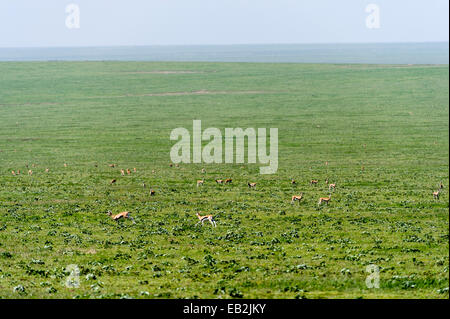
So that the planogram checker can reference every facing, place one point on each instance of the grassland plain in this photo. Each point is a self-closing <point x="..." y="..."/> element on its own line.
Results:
<point x="383" y="129"/>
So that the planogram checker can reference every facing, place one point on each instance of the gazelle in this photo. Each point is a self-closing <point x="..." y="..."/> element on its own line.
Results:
<point x="331" y="186"/>
<point x="30" y="172"/>
<point x="293" y="182"/>
<point x="200" y="182"/>
<point x="134" y="170"/>
<point x="219" y="181"/>
<point x="314" y="181"/>
<point x="251" y="185"/>
<point x="203" y="171"/>
<point x="441" y="186"/>
<point x="123" y="215"/>
<point x="47" y="170"/>
<point x="152" y="192"/>
<point x="65" y="164"/>
<point x="113" y="181"/>
<point x="206" y="217"/>
<point x="228" y="181"/>
<point x="128" y="171"/>
<point x="14" y="173"/>
<point x="324" y="200"/>
<point x="436" y="194"/>
<point x="112" y="165"/>
<point x="18" y="172"/>
<point x="297" y="198"/>
<point x="122" y="172"/>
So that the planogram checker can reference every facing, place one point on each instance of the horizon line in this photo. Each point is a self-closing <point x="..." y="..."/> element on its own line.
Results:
<point x="229" y="44"/>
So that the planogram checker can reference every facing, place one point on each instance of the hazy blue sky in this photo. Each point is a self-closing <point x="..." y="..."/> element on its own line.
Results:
<point x="148" y="22"/>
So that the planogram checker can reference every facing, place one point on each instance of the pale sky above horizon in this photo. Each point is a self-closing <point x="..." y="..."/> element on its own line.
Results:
<point x="28" y="23"/>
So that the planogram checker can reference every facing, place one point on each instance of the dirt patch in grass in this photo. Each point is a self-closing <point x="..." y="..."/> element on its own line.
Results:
<point x="163" y="72"/>
<point x="203" y="92"/>
<point x="200" y="92"/>
<point x="28" y="104"/>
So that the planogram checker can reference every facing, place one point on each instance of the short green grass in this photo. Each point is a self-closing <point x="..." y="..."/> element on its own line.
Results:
<point x="390" y="119"/>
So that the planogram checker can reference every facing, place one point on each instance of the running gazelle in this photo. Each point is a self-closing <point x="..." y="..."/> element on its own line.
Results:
<point x="123" y="215"/>
<point x="206" y="217"/>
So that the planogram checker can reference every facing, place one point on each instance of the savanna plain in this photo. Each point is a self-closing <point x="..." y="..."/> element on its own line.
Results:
<point x="379" y="132"/>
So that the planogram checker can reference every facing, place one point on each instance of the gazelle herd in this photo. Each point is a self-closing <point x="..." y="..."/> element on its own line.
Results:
<point x="210" y="218"/>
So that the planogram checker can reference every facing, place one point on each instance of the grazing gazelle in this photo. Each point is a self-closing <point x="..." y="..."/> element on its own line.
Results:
<point x="113" y="181"/>
<point x="436" y="194"/>
<point x="14" y="173"/>
<point x="200" y="182"/>
<point x="331" y="186"/>
<point x="123" y="215"/>
<point x="314" y="181"/>
<point x="134" y="170"/>
<point x="206" y="217"/>
<point x="228" y="181"/>
<point x="112" y="165"/>
<point x="324" y="200"/>
<point x="297" y="198"/>
<point x="251" y="185"/>
<point x="128" y="171"/>
<point x="30" y="172"/>
<point x="219" y="181"/>
<point x="122" y="172"/>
